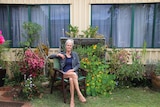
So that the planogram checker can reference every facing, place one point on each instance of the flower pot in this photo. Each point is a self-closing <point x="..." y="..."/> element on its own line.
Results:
<point x="82" y="41"/>
<point x="155" y="80"/>
<point x="2" y="76"/>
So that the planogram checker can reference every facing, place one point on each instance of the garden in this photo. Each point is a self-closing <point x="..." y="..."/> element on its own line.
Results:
<point x="115" y="77"/>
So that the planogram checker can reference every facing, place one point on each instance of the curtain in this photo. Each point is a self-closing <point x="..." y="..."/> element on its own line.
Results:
<point x="120" y="23"/>
<point x="101" y="17"/>
<point x="149" y="21"/>
<point x="143" y="24"/>
<point x="4" y="24"/>
<point x="40" y="15"/>
<point x="19" y="15"/>
<point x="59" y="21"/>
<point x="157" y="28"/>
<point x="121" y="26"/>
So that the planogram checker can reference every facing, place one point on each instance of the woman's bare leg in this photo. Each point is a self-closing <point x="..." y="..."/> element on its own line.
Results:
<point x="74" y="76"/>
<point x="71" y="92"/>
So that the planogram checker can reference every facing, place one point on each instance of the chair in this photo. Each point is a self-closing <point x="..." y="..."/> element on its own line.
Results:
<point x="57" y="77"/>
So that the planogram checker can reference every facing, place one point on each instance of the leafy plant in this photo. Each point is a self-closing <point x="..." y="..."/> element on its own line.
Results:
<point x="134" y="70"/>
<point x="29" y="89"/>
<point x="90" y="32"/>
<point x="126" y="72"/>
<point x="4" y="47"/>
<point x="99" y="81"/>
<point x="117" y="58"/>
<point x="31" y="33"/>
<point x="16" y="77"/>
<point x="31" y="64"/>
<point x="157" y="68"/>
<point x="73" y="31"/>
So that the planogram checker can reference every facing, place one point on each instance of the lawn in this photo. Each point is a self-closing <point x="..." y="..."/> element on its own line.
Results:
<point x="128" y="97"/>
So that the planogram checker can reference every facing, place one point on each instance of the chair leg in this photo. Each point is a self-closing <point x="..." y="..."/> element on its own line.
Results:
<point x="85" y="93"/>
<point x="52" y="81"/>
<point x="51" y="85"/>
<point x="64" y="90"/>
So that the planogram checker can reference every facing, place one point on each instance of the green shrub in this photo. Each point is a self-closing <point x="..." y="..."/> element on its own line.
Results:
<point x="126" y="72"/>
<point x="99" y="81"/>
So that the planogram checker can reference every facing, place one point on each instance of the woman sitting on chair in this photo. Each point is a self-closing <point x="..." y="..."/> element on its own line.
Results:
<point x="69" y="62"/>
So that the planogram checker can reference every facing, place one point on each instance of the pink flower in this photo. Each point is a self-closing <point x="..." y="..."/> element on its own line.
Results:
<point x="2" y="40"/>
<point x="32" y="63"/>
<point x="138" y="57"/>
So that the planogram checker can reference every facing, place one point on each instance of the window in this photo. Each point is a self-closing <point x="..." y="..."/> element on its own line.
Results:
<point x="54" y="19"/>
<point x="121" y="26"/>
<point x="4" y="23"/>
<point x="17" y="16"/>
<point x="128" y="25"/>
<point x="101" y="17"/>
<point x="156" y="38"/>
<point x="59" y="20"/>
<point x="143" y="25"/>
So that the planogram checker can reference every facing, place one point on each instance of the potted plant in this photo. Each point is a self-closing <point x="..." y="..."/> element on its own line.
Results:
<point x="3" y="47"/>
<point x="155" y="76"/>
<point x="73" y="31"/>
<point x="89" y="37"/>
<point x="91" y="32"/>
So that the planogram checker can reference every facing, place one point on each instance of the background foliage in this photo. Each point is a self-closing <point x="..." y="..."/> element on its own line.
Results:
<point x="124" y="71"/>
<point x="92" y="58"/>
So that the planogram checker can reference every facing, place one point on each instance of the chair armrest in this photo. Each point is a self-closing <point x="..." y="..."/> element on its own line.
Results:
<point x="57" y="70"/>
<point x="82" y="72"/>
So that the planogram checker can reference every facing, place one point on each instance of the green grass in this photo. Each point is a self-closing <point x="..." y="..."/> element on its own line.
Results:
<point x="131" y="97"/>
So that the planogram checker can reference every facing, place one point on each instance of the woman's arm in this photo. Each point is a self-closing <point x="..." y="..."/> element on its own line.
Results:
<point x="59" y="55"/>
<point x="76" y="62"/>
<point x="52" y="56"/>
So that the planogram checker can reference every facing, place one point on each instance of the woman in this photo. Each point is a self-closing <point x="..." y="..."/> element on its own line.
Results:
<point x="69" y="64"/>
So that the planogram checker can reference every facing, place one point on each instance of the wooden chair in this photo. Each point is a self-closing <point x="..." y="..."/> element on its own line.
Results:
<point x="57" y="77"/>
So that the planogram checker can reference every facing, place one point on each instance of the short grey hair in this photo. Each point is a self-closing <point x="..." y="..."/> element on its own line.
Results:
<point x="70" y="40"/>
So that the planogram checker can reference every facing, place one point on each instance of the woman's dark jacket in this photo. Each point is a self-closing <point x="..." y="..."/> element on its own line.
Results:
<point x="75" y="60"/>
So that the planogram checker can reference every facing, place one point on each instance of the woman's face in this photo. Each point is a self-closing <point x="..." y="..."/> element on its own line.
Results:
<point x="69" y="46"/>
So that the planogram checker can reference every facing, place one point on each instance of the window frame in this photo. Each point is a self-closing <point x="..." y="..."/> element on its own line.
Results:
<point x="29" y="6"/>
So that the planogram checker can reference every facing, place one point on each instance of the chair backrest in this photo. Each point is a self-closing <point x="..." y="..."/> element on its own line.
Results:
<point x="56" y="63"/>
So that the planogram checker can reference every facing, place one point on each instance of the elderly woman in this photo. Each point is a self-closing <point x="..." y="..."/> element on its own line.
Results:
<point x="69" y="62"/>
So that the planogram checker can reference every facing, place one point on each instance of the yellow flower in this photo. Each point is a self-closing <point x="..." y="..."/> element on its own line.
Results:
<point x="95" y="46"/>
<point x="92" y="78"/>
<point x="87" y="84"/>
<point x="100" y="72"/>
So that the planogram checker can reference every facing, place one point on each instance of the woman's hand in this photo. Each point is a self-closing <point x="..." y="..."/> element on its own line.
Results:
<point x="61" y="55"/>
<point x="71" y="70"/>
